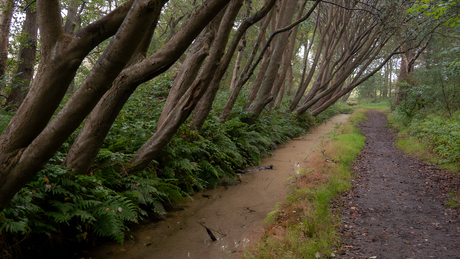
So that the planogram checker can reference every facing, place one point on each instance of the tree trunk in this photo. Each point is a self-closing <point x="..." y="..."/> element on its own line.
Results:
<point x="390" y="78"/>
<point x="255" y="85"/>
<point x="187" y="103"/>
<point x="290" y="81"/>
<point x="186" y="75"/>
<point x="98" y="123"/>
<point x="265" y="94"/>
<point x="26" y="62"/>
<point x="260" y="75"/>
<point x="6" y="13"/>
<point x="405" y="73"/>
<point x="205" y="104"/>
<point x="351" y="86"/>
<point x="26" y="145"/>
<point x="236" y="68"/>
<point x="287" y="61"/>
<point x="71" y="19"/>
<point x="244" y="74"/>
<point x="304" y="84"/>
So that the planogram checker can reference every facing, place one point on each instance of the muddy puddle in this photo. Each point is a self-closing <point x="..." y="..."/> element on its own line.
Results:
<point x="234" y="214"/>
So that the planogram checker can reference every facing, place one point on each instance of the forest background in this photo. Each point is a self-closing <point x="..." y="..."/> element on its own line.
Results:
<point x="113" y="109"/>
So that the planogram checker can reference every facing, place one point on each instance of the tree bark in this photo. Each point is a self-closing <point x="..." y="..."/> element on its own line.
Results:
<point x="187" y="103"/>
<point x="26" y="61"/>
<point x="255" y="85"/>
<point x="26" y="145"/>
<point x="205" y="105"/>
<point x="71" y="19"/>
<point x="405" y="73"/>
<point x="290" y="81"/>
<point x="187" y="74"/>
<point x="287" y="60"/>
<point x="304" y="84"/>
<point x="260" y="75"/>
<point x="236" y="68"/>
<point x="98" y="123"/>
<point x="6" y="13"/>
<point x="60" y="57"/>
<point x="361" y="41"/>
<point x="267" y="89"/>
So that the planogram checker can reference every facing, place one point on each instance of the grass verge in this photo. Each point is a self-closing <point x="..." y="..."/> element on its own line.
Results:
<point x="380" y="105"/>
<point x="304" y="225"/>
<point x="419" y="146"/>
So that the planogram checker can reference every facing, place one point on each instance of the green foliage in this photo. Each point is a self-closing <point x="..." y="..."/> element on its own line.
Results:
<point x="413" y="100"/>
<point x="5" y="118"/>
<point x="344" y="108"/>
<point x="331" y="111"/>
<point x="437" y="9"/>
<point x="104" y="202"/>
<point x="372" y="87"/>
<point x="440" y="134"/>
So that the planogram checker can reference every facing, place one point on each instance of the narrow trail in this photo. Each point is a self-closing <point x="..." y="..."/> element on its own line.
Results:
<point x="236" y="211"/>
<point x="395" y="209"/>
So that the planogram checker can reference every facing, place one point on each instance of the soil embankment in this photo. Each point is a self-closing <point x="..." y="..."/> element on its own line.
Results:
<point x="395" y="209"/>
<point x="236" y="211"/>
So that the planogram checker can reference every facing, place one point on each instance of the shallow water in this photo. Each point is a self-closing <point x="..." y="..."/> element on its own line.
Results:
<point x="236" y="212"/>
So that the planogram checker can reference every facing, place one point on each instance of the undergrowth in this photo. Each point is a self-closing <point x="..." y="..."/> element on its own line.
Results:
<point x="59" y="208"/>
<point x="429" y="127"/>
<point x="304" y="225"/>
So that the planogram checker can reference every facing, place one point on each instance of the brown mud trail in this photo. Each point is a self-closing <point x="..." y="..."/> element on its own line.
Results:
<point x="236" y="211"/>
<point x="395" y="209"/>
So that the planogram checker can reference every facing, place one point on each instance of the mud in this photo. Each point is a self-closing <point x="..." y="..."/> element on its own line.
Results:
<point x="395" y="209"/>
<point x="237" y="212"/>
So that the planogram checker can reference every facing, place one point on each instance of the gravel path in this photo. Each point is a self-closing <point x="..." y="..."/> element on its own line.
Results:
<point x="395" y="209"/>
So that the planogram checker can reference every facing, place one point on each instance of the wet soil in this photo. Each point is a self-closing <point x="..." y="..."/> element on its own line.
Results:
<point x="233" y="213"/>
<point x="396" y="208"/>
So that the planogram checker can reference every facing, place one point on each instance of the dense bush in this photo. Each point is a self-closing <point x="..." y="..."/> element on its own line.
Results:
<point x="429" y="109"/>
<point x="441" y="134"/>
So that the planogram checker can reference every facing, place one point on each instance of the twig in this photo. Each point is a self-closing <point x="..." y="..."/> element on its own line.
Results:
<point x="269" y="183"/>
<point x="28" y="5"/>
<point x="211" y="235"/>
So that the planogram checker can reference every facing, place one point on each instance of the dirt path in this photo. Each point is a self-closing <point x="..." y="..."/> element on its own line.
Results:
<point x="237" y="211"/>
<point x="396" y="207"/>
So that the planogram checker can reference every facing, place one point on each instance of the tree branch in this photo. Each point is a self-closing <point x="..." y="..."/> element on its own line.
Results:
<point x="96" y="32"/>
<point x="352" y="9"/>
<point x="292" y="25"/>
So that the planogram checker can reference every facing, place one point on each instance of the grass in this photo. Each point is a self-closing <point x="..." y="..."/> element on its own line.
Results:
<point x="384" y="104"/>
<point x="416" y="147"/>
<point x="304" y="225"/>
